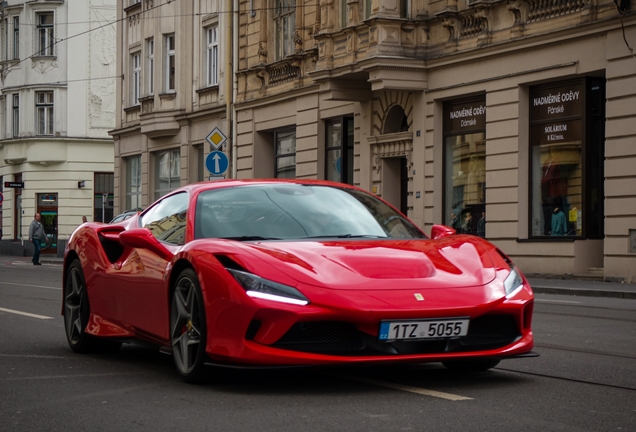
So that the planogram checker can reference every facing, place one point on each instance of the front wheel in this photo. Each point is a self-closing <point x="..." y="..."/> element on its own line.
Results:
<point x="471" y="365"/>
<point x="188" y="328"/>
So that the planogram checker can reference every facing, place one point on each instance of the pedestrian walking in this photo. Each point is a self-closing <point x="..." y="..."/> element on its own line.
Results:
<point x="36" y="236"/>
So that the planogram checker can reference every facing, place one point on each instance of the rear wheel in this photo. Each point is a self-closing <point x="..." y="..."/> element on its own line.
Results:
<point x="188" y="328"/>
<point x="77" y="312"/>
<point x="471" y="365"/>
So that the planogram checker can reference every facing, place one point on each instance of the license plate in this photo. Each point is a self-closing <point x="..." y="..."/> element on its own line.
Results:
<point x="423" y="329"/>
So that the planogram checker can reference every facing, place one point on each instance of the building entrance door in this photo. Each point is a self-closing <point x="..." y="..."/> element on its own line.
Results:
<point x="47" y="207"/>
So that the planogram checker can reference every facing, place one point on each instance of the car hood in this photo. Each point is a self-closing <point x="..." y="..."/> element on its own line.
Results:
<point x="457" y="261"/>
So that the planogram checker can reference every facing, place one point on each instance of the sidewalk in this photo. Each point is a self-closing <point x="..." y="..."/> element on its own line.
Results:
<point x="540" y="284"/>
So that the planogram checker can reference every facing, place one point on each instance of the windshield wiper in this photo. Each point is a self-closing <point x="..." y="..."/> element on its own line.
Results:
<point x="346" y="236"/>
<point x="249" y="238"/>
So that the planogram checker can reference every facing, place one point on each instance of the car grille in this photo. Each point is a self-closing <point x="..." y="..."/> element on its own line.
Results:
<point x="338" y="338"/>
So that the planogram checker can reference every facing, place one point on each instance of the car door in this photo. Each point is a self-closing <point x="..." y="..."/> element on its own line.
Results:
<point x="144" y="299"/>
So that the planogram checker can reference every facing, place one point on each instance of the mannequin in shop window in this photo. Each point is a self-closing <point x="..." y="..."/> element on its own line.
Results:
<point x="554" y="185"/>
<point x="559" y="224"/>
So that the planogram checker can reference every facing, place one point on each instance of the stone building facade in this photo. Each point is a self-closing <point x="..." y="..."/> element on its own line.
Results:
<point x="513" y="120"/>
<point x="57" y="104"/>
<point x="173" y="94"/>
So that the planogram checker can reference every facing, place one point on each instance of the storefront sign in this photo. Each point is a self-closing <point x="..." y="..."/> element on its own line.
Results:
<point x="464" y="117"/>
<point x="559" y="132"/>
<point x="550" y="102"/>
<point x="14" y="184"/>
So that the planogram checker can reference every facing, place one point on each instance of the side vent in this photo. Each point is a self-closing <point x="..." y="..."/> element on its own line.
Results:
<point x="228" y="262"/>
<point x="110" y="244"/>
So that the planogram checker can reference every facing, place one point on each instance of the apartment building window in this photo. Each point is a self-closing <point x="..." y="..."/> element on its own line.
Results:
<point x="339" y="150"/>
<point x="285" y="20"/>
<point x="104" y="189"/>
<point x="5" y="38"/>
<point x="170" y="64"/>
<point x="135" y="62"/>
<point x="465" y="165"/>
<point x="286" y="154"/>
<point x="167" y="172"/>
<point x="45" y="33"/>
<point x="44" y="112"/>
<point x="343" y="13"/>
<point x="567" y="138"/>
<point x="367" y="9"/>
<point x="16" y="115"/>
<point x="212" y="56"/>
<point x="150" y="50"/>
<point x="16" y="38"/>
<point x="133" y="182"/>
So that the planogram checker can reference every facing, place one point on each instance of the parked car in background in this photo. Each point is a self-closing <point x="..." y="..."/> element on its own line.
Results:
<point x="125" y="215"/>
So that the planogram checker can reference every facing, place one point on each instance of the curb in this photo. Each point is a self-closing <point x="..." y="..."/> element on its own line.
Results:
<point x="584" y="292"/>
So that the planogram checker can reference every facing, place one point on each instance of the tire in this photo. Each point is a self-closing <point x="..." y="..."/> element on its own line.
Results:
<point x="188" y="333"/>
<point x="77" y="312"/>
<point x="471" y="365"/>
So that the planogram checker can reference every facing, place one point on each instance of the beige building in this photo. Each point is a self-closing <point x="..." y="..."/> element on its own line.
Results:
<point x="174" y="93"/>
<point x="57" y="104"/>
<point x="513" y="120"/>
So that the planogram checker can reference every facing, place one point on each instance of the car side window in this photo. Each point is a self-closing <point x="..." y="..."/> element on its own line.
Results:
<point x="167" y="219"/>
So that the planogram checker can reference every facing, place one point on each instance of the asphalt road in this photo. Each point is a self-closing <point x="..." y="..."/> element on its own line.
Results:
<point x="584" y="380"/>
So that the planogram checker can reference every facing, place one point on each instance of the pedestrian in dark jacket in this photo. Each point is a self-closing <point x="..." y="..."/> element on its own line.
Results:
<point x="481" y="225"/>
<point x="37" y="236"/>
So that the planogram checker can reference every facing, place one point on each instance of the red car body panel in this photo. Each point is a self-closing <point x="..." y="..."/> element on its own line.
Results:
<point x="355" y="281"/>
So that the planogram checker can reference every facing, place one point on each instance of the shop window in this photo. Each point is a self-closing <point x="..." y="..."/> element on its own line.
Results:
<point x="465" y="165"/>
<point x="167" y="172"/>
<point x="339" y="150"/>
<point x="567" y="153"/>
<point x="286" y="154"/>
<point x="104" y="197"/>
<point x="133" y="182"/>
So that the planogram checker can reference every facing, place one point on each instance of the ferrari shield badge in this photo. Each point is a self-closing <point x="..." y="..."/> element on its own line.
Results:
<point x="419" y="297"/>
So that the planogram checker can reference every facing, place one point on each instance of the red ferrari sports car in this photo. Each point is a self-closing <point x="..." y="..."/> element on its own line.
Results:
<point x="254" y="273"/>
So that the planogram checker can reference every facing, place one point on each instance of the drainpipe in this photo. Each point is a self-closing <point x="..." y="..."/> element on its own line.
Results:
<point x="235" y="35"/>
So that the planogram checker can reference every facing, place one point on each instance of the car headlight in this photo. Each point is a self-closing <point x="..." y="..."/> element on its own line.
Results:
<point x="513" y="282"/>
<point x="256" y="286"/>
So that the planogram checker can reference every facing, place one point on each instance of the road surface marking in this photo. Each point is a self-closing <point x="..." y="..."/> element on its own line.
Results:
<point x="555" y="301"/>
<point x="410" y="389"/>
<point x="36" y="356"/>
<point x="32" y="286"/>
<point x="25" y="314"/>
<point x="47" y="377"/>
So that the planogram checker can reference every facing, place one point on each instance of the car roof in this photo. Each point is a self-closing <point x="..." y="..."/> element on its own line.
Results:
<point x="215" y="184"/>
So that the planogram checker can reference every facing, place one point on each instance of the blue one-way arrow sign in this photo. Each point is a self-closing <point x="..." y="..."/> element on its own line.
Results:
<point x="216" y="162"/>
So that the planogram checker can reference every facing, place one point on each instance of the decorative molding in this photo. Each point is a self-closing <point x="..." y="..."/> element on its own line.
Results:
<point x="43" y="64"/>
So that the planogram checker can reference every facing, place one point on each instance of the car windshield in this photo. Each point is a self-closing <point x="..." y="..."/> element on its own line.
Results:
<point x="293" y="211"/>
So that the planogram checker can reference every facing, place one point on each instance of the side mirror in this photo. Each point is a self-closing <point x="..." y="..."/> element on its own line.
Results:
<point x="142" y="238"/>
<point x="441" y="231"/>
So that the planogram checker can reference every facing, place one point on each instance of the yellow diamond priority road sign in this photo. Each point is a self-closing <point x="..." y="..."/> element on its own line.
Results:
<point x="216" y="138"/>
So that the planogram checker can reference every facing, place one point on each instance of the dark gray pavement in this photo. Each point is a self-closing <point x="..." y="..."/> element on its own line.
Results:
<point x="543" y="284"/>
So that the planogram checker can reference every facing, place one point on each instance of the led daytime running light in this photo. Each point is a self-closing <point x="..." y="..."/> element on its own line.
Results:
<point x="258" y="287"/>
<point x="513" y="282"/>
